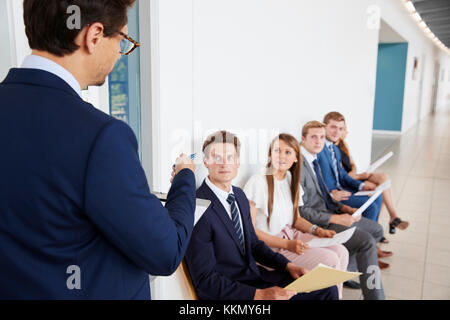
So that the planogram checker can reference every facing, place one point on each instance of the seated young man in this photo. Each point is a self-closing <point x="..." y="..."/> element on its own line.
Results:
<point x="321" y="209"/>
<point x="340" y="184"/>
<point x="223" y="253"/>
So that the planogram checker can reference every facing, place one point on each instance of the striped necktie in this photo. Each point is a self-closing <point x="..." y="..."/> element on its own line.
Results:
<point x="336" y="172"/>
<point x="236" y="221"/>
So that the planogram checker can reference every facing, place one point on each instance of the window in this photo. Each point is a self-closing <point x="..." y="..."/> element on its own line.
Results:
<point x="124" y="82"/>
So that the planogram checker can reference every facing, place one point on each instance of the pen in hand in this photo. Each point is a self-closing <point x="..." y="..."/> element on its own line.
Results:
<point x="186" y="165"/>
<point x="192" y="156"/>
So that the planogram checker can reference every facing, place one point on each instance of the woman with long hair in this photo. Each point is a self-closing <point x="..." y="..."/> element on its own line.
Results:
<point x="275" y="198"/>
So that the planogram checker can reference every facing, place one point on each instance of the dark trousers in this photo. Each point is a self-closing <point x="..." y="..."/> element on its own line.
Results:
<point x="330" y="293"/>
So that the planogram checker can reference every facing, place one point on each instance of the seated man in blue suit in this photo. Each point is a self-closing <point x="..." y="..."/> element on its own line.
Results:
<point x="340" y="184"/>
<point x="77" y="219"/>
<point x="224" y="251"/>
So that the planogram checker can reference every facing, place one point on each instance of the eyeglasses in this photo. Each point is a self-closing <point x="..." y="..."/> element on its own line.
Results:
<point x="127" y="44"/>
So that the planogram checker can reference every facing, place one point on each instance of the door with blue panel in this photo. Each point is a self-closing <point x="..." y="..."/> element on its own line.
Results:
<point x="390" y="86"/>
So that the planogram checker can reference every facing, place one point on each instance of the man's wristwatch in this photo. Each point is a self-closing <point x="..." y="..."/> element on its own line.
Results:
<point x="313" y="229"/>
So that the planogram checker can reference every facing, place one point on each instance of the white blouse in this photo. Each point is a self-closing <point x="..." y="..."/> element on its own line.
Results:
<point x="256" y="190"/>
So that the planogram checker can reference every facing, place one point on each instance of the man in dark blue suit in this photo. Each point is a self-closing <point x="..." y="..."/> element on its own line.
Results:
<point x="224" y="251"/>
<point x="340" y="184"/>
<point x="77" y="219"/>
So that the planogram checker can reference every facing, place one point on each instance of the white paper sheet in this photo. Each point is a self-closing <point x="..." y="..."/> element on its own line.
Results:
<point x="368" y="203"/>
<point x="381" y="187"/>
<point x="339" y="238"/>
<point x="374" y="166"/>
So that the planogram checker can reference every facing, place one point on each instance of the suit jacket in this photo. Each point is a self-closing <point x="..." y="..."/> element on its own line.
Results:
<point x="219" y="269"/>
<point x="314" y="207"/>
<point x="73" y="193"/>
<point x="326" y="165"/>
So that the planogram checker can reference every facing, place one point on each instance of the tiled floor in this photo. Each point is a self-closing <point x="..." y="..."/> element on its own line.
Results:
<point x="420" y="174"/>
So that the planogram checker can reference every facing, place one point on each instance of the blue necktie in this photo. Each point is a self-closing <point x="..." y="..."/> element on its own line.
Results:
<point x="322" y="185"/>
<point x="236" y="221"/>
<point x="336" y="172"/>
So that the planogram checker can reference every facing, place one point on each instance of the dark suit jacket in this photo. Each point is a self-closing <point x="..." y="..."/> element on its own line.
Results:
<point x="73" y="192"/>
<point x="314" y="208"/>
<point x="218" y="268"/>
<point x="326" y="165"/>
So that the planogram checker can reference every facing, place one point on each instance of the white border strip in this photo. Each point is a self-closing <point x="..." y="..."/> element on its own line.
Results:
<point x="387" y="132"/>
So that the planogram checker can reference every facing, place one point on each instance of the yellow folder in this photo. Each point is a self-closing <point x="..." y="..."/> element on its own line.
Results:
<point x="321" y="277"/>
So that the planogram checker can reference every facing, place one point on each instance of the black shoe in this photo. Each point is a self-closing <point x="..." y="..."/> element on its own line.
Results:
<point x="398" y="223"/>
<point x="391" y="228"/>
<point x="352" y="284"/>
<point x="384" y="240"/>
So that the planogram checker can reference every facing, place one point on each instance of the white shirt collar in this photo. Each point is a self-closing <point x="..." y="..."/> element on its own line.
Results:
<point x="41" y="63"/>
<point x="308" y="156"/>
<point x="221" y="194"/>
<point x="328" y="143"/>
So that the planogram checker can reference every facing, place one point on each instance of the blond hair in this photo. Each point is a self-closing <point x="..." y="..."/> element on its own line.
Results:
<point x="311" y="125"/>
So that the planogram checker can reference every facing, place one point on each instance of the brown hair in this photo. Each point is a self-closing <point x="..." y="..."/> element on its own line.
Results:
<point x="336" y="116"/>
<point x="46" y="21"/>
<point x="221" y="137"/>
<point x="310" y="125"/>
<point x="343" y="146"/>
<point x="295" y="170"/>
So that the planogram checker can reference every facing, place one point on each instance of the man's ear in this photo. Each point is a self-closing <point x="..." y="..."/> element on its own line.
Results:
<point x="93" y="37"/>
<point x="205" y="162"/>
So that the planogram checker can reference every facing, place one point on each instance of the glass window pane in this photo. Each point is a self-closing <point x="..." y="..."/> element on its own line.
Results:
<point x="124" y="82"/>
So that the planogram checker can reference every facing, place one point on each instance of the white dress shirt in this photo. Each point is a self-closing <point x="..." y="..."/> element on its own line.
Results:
<point x="41" y="63"/>
<point x="309" y="158"/>
<point x="328" y="143"/>
<point x="222" y="195"/>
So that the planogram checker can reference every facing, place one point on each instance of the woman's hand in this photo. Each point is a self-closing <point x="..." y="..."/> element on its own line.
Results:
<point x="296" y="246"/>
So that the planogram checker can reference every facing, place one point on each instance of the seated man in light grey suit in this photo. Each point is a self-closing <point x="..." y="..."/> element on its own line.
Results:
<point x="321" y="209"/>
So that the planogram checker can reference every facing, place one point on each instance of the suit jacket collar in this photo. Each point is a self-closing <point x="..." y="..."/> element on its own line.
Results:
<point x="38" y="78"/>
<point x="307" y="167"/>
<point x="220" y="211"/>
<point x="38" y="62"/>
